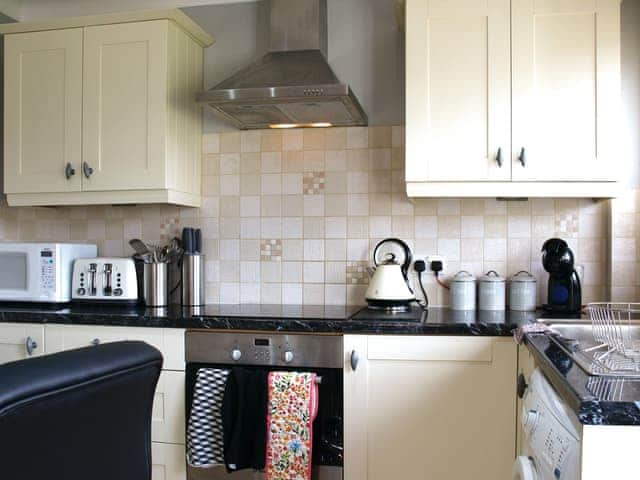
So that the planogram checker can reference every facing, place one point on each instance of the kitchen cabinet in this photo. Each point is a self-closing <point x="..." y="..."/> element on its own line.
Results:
<point x="103" y="112"/>
<point x="512" y="98"/>
<point x="429" y="407"/>
<point x="167" y="422"/>
<point x="19" y="341"/>
<point x="526" y="367"/>
<point x="168" y="462"/>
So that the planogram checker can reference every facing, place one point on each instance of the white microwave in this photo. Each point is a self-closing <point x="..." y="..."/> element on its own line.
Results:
<point x="39" y="272"/>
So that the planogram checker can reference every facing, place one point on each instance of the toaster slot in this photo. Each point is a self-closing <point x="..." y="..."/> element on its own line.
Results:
<point x="108" y="273"/>
<point x="93" y="272"/>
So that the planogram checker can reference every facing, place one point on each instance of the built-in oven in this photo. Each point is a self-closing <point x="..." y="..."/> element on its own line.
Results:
<point x="320" y="354"/>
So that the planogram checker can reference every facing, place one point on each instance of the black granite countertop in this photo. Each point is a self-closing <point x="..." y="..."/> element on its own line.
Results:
<point x="596" y="400"/>
<point x="280" y="318"/>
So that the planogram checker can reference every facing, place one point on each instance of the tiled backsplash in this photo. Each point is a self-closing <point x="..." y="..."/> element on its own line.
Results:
<point x="292" y="217"/>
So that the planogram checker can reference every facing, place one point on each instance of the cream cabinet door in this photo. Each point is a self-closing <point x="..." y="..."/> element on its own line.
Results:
<point x="43" y="111"/>
<point x="167" y="423"/>
<point x="526" y="366"/>
<point x="458" y="90"/>
<point x="168" y="462"/>
<point x="431" y="407"/>
<point x="125" y="101"/>
<point x="566" y="86"/>
<point x="19" y="341"/>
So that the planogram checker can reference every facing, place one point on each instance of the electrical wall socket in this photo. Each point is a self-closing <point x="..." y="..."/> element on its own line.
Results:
<point x="436" y="258"/>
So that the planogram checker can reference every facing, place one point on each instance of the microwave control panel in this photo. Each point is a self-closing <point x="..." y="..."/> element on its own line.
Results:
<point x="47" y="270"/>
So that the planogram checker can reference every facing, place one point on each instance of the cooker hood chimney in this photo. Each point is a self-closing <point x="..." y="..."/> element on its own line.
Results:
<point x="292" y="85"/>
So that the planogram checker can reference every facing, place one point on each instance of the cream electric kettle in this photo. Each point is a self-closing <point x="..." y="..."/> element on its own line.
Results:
<point x="389" y="284"/>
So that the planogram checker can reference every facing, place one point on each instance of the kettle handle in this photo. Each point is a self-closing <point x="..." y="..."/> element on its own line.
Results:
<point x="406" y="250"/>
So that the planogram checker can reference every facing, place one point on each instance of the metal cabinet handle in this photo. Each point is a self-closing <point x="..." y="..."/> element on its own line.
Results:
<point x="30" y="345"/>
<point x="69" y="171"/>
<point x="95" y="342"/>
<point x="499" y="157"/>
<point x="522" y="157"/>
<point x="355" y="360"/>
<point x="86" y="169"/>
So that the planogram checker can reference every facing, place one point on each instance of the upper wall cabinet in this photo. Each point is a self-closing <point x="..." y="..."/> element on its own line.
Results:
<point x="103" y="111"/>
<point x="512" y="98"/>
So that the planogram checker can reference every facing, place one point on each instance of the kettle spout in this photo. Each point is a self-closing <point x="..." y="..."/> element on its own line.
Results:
<point x="371" y="271"/>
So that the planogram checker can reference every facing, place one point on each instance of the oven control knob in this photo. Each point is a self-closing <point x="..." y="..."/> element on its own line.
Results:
<point x="81" y="291"/>
<point x="287" y="356"/>
<point x="236" y="354"/>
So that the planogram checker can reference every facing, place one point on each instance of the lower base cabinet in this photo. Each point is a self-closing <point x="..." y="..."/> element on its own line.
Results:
<point x="419" y="407"/>
<point x="19" y="341"/>
<point x="168" y="462"/>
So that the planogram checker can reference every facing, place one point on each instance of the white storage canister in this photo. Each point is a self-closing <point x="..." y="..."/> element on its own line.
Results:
<point x="523" y="292"/>
<point x="491" y="291"/>
<point x="463" y="291"/>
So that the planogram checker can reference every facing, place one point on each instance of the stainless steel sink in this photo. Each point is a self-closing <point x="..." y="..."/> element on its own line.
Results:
<point x="575" y="337"/>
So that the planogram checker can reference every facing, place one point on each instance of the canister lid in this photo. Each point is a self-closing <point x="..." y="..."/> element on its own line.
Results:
<point x="463" y="276"/>
<point x="523" y="277"/>
<point x="491" y="276"/>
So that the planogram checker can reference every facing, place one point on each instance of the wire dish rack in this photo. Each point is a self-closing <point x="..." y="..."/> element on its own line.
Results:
<point x="616" y="330"/>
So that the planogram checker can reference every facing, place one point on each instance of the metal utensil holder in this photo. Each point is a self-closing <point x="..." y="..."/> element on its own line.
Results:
<point x="155" y="279"/>
<point x="612" y="330"/>
<point x="193" y="273"/>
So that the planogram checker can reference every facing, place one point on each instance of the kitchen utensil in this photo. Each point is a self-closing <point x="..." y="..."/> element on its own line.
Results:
<point x="193" y="293"/>
<point x="139" y="246"/>
<point x="491" y="291"/>
<point x="389" y="285"/>
<point x="564" y="290"/>
<point x="155" y="284"/>
<point x="463" y="291"/>
<point x="111" y="280"/>
<point x="523" y="292"/>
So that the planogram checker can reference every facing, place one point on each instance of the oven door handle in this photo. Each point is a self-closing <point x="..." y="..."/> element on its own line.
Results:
<point x="355" y="360"/>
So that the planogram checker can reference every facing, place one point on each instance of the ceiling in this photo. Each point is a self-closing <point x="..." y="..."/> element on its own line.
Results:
<point x="33" y="10"/>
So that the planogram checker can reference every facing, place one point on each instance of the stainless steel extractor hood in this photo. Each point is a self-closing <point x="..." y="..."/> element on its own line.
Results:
<point x="292" y="85"/>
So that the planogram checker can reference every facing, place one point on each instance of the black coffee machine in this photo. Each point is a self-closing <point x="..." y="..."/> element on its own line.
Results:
<point x="565" y="292"/>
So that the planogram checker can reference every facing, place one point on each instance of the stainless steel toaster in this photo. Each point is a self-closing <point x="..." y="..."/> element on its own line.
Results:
<point x="104" y="280"/>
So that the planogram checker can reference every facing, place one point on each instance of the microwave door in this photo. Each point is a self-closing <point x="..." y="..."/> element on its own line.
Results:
<point x="16" y="283"/>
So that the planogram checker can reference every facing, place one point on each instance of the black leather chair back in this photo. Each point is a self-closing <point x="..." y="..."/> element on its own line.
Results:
<point x="78" y="415"/>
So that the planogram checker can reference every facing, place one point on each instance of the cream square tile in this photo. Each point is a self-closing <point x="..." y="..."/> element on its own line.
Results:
<point x="472" y="226"/>
<point x="426" y="227"/>
<point x="230" y="163"/>
<point x="336" y="227"/>
<point x="402" y="226"/>
<point x="450" y="248"/>
<point x="398" y="184"/>
<point x="250" y="141"/>
<point x="543" y="225"/>
<point x="211" y="143"/>
<point x="250" y="184"/>
<point x="358" y="204"/>
<point x="397" y="136"/>
<point x="448" y="226"/>
<point x="449" y="206"/>
<point x="230" y="142"/>
<point x="114" y="229"/>
<point x="624" y="249"/>
<point x="314" y="227"/>
<point x="425" y="206"/>
<point x="229" y="293"/>
<point x="357" y="182"/>
<point x="249" y="249"/>
<point x="271" y="206"/>
<point x="313" y="139"/>
<point x="271" y="184"/>
<point x="379" y="159"/>
<point x="230" y="249"/>
<point x="471" y="250"/>
<point x="592" y="249"/>
<point x="271" y="272"/>
<point x="211" y="164"/>
<point x="518" y="250"/>
<point x="355" y="294"/>
<point x="336" y="138"/>
<point x="96" y="229"/>
<point x="335" y="205"/>
<point x="380" y="227"/>
<point x="624" y="225"/>
<point x="292" y="139"/>
<point x="357" y="137"/>
<point x="335" y="294"/>
<point x="495" y="226"/>
<point x="271" y="141"/>
<point x="292" y="272"/>
<point x="229" y="271"/>
<point x="230" y="207"/>
<point x="519" y="207"/>
<point x="380" y="137"/>
<point x="335" y="249"/>
<point x="292" y="227"/>
<point x="379" y="204"/>
<point x="335" y="272"/>
<point x="401" y="205"/>
<point x="313" y="161"/>
<point x="293" y="206"/>
<point x="495" y="249"/>
<point x="271" y="227"/>
<point x="357" y="249"/>
<point x="292" y="294"/>
<point x="292" y="184"/>
<point x="335" y="182"/>
<point x="249" y="272"/>
<point x="313" y="294"/>
<point x="292" y="249"/>
<point x="250" y="206"/>
<point x="313" y="205"/>
<point x="358" y="160"/>
<point x="380" y="182"/>
<point x="313" y="272"/>
<point x="230" y="184"/>
<point x="335" y="160"/>
<point x="494" y="207"/>
<point x="271" y="162"/>
<point x="250" y="228"/>
<point x="543" y="206"/>
<point x="358" y="227"/>
<point x="212" y="271"/>
<point x="271" y="293"/>
<point x="591" y="226"/>
<point x="519" y="226"/>
<point x="250" y="293"/>
<point x="397" y="158"/>
<point x="132" y="228"/>
<point x="292" y="161"/>
<point x="314" y="250"/>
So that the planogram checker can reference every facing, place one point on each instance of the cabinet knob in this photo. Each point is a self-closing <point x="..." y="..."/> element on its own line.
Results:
<point x="522" y="157"/>
<point x="30" y="345"/>
<point x="355" y="360"/>
<point x="288" y="356"/>
<point x="69" y="171"/>
<point x="87" y="170"/>
<point x="499" y="157"/>
<point x="236" y="354"/>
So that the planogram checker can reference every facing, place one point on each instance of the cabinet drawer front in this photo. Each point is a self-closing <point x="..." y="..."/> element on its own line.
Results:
<point x="167" y="421"/>
<point x="170" y="342"/>
<point x="419" y="348"/>
<point x="17" y="338"/>
<point x="168" y="462"/>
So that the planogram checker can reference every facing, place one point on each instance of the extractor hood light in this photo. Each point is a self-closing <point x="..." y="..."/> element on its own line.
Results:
<point x="301" y="125"/>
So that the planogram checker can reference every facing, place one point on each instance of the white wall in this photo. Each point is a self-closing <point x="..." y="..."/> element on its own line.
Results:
<point x="631" y="90"/>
